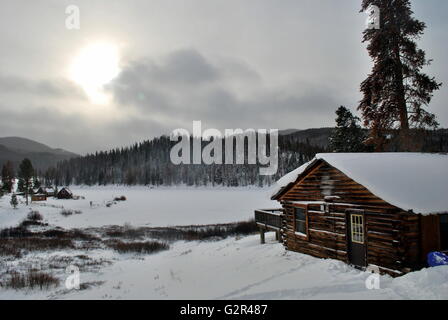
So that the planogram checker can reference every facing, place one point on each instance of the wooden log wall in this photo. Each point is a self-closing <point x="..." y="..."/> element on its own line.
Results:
<point x="326" y="234"/>
<point x="392" y="236"/>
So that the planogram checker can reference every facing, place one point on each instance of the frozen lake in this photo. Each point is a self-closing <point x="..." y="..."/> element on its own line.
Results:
<point x="145" y="206"/>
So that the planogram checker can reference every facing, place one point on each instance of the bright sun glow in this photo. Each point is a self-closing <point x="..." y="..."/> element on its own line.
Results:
<point x="93" y="67"/>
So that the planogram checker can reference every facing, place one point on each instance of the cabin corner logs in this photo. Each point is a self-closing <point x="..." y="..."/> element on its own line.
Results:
<point x="343" y="220"/>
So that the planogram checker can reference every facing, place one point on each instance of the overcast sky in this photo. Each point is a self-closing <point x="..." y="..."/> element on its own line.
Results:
<point x="229" y="63"/>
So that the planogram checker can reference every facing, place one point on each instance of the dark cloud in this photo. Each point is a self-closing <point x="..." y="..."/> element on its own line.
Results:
<point x="187" y="86"/>
<point x="44" y="88"/>
<point x="185" y="67"/>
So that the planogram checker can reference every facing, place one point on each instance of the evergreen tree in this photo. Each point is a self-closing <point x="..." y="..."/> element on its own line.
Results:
<point x="21" y="186"/>
<point x="396" y="92"/>
<point x="26" y="173"/>
<point x="7" y="177"/>
<point x="36" y="182"/>
<point x="148" y="163"/>
<point x="348" y="136"/>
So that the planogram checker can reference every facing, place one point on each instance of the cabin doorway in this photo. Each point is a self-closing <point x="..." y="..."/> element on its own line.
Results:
<point x="444" y="232"/>
<point x="356" y="239"/>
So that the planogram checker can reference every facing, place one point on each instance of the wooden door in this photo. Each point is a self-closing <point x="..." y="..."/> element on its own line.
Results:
<point x="444" y="232"/>
<point x="356" y="238"/>
<point x="430" y="235"/>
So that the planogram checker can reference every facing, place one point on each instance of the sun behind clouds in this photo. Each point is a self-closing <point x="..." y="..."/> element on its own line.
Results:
<point x="94" y="66"/>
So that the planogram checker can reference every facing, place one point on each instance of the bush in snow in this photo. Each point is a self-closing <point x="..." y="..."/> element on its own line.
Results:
<point x="34" y="216"/>
<point x="31" y="279"/>
<point x="245" y="227"/>
<point x="69" y="212"/>
<point x="127" y="231"/>
<point x="220" y="231"/>
<point x="9" y="250"/>
<point x="35" y="244"/>
<point x="137" y="247"/>
<point x="15" y="232"/>
<point x="66" y="212"/>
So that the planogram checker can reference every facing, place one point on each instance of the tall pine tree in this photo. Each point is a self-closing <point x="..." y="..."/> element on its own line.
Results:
<point x="396" y="92"/>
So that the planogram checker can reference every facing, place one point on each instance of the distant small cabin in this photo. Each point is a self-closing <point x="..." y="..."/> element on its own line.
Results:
<point x="38" y="197"/>
<point x="384" y="210"/>
<point x="65" y="193"/>
<point x="49" y="191"/>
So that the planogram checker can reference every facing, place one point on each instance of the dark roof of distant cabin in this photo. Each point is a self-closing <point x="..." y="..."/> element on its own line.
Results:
<point x="66" y="189"/>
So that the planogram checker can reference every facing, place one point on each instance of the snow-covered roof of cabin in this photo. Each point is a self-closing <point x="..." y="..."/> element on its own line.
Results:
<point x="47" y="189"/>
<point x="410" y="181"/>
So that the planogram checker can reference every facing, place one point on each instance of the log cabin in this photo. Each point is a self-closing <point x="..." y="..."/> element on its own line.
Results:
<point x="65" y="193"/>
<point x="38" y="197"/>
<point x="382" y="210"/>
<point x="48" y="191"/>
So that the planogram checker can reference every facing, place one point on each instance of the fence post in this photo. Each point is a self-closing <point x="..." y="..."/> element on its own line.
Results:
<point x="262" y="239"/>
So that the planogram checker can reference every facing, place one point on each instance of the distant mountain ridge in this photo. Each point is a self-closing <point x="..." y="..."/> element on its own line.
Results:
<point x="15" y="149"/>
<point x="314" y="136"/>
<point x="285" y="132"/>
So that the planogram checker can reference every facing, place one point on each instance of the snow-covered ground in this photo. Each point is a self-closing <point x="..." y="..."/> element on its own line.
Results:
<point x="244" y="269"/>
<point x="239" y="269"/>
<point x="234" y="268"/>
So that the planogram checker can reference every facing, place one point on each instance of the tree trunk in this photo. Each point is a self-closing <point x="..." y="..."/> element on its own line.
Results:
<point x="27" y="188"/>
<point x="401" y="101"/>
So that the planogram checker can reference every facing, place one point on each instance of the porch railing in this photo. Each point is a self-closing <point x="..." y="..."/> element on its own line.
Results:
<point x="269" y="218"/>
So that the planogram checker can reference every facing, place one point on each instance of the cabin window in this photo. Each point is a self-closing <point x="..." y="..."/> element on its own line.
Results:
<point x="444" y="232"/>
<point x="300" y="220"/>
<point x="357" y="232"/>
